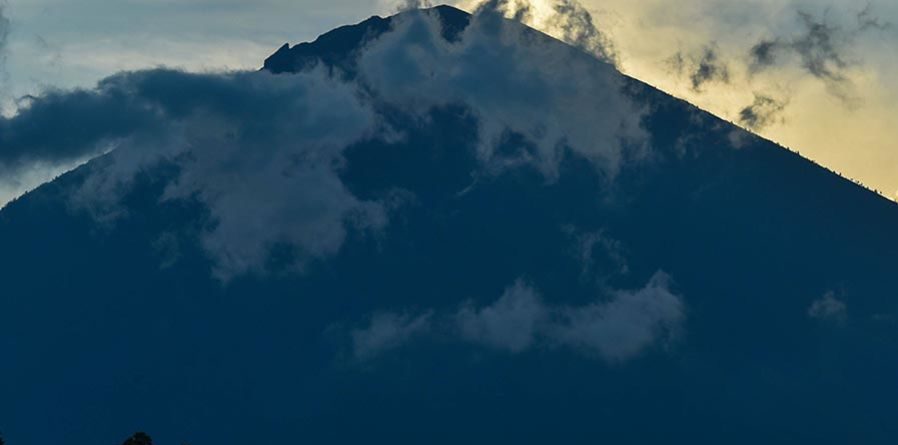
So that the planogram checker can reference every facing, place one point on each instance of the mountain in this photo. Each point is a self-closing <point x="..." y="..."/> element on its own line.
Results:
<point x="442" y="228"/>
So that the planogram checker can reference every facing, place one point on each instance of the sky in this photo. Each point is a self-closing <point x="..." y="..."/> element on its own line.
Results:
<point x="815" y="76"/>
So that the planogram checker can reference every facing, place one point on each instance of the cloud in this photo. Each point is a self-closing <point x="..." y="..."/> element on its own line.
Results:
<point x="701" y="69"/>
<point x="615" y="329"/>
<point x="235" y="137"/>
<point x="406" y="5"/>
<point x="764" y="111"/>
<point x="517" y="10"/>
<point x="867" y="20"/>
<point x="578" y="28"/>
<point x="764" y="54"/>
<point x="828" y="308"/>
<point x="821" y="47"/>
<point x="566" y="20"/>
<point x="387" y="331"/>
<point x="59" y="127"/>
<point x="511" y="323"/>
<point x="555" y="96"/>
<point x="241" y="136"/>
<point x="621" y="328"/>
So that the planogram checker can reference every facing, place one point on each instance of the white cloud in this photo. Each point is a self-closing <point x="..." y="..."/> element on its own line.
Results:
<point x="626" y="325"/>
<point x="513" y="79"/>
<point x="615" y="330"/>
<point x="828" y="308"/>
<point x="260" y="151"/>
<point x="511" y="323"/>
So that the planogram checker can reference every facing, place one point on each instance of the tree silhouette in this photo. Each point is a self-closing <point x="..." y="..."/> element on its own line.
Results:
<point x="136" y="439"/>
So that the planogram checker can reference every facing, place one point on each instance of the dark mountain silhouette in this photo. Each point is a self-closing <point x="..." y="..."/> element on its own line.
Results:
<point x="721" y="289"/>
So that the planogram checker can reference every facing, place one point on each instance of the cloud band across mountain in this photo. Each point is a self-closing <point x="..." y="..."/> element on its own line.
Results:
<point x="236" y="137"/>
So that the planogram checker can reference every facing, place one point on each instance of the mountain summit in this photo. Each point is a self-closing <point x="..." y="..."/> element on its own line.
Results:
<point x="436" y="228"/>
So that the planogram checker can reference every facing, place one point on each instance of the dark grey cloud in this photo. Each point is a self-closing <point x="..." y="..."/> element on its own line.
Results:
<point x="701" y="69"/>
<point x="764" y="111"/>
<point x="822" y="48"/>
<point x="764" y="54"/>
<point x="868" y="20"/>
<point x="61" y="126"/>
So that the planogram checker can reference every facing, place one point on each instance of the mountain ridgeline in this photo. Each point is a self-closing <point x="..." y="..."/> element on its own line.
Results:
<point x="510" y="259"/>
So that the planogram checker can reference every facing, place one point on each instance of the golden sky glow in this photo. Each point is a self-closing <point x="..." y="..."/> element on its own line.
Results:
<point x="851" y="128"/>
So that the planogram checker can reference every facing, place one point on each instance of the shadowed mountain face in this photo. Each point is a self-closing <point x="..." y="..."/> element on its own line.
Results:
<point x="492" y="238"/>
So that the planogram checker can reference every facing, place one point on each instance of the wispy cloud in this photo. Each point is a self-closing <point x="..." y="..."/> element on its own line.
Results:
<point x="822" y="47"/>
<point x="567" y="20"/>
<point x="615" y="329"/>
<point x="701" y="69"/>
<point x="764" y="111"/>
<point x="553" y="95"/>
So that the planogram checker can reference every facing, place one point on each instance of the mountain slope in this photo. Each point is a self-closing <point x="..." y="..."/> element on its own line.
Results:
<point x="688" y="282"/>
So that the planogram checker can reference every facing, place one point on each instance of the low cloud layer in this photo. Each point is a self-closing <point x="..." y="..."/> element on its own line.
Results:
<point x="615" y="329"/>
<point x="236" y="137"/>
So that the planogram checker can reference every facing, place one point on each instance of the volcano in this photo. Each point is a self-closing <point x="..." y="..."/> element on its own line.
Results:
<point x="436" y="227"/>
